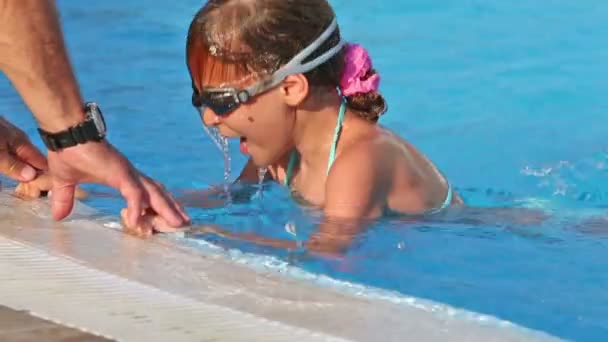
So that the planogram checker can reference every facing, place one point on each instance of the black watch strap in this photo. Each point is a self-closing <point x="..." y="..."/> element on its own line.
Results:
<point x="80" y="134"/>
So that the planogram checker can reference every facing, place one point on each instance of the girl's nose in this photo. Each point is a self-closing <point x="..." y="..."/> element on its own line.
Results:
<point x="209" y="117"/>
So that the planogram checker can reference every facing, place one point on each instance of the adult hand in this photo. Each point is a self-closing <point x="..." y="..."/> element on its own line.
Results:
<point x="19" y="158"/>
<point x="101" y="163"/>
<point x="34" y="58"/>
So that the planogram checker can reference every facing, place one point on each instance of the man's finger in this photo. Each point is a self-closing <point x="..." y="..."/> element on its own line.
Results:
<point x="15" y="168"/>
<point x="62" y="199"/>
<point x="28" y="153"/>
<point x="164" y="205"/>
<point x="153" y="186"/>
<point x="161" y="226"/>
<point x="177" y="206"/>
<point x="175" y="202"/>
<point x="136" y="201"/>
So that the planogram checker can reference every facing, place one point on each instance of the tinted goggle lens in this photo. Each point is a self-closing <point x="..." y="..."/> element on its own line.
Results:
<point x="220" y="102"/>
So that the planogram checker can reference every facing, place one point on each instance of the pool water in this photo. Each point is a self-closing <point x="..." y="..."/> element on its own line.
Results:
<point x="508" y="98"/>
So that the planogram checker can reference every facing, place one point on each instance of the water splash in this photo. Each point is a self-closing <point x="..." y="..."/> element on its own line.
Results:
<point x="261" y="176"/>
<point x="221" y="143"/>
<point x="227" y="170"/>
<point x="582" y="180"/>
<point x="215" y="136"/>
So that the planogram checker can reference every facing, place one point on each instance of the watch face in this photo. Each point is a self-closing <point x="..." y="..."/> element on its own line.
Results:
<point x="95" y="114"/>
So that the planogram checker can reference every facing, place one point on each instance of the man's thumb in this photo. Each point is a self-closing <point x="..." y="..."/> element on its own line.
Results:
<point x="14" y="168"/>
<point x="62" y="199"/>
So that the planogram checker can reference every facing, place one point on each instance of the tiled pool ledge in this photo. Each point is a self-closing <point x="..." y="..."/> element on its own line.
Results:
<point x="84" y="275"/>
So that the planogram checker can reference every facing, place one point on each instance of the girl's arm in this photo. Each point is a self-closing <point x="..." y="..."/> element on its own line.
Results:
<point x="355" y="193"/>
<point x="212" y="197"/>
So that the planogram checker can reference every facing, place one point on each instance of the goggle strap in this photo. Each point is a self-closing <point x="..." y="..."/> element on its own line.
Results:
<point x="295" y="66"/>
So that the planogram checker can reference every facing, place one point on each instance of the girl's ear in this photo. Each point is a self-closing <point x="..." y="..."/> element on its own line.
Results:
<point x="295" y="89"/>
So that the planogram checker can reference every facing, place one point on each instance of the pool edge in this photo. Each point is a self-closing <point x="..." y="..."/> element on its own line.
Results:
<point x="32" y="247"/>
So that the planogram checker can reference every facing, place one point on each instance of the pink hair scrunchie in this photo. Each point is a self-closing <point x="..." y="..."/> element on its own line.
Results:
<point x="357" y="64"/>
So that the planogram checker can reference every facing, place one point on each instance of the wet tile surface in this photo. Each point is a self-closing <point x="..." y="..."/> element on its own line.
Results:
<point x="20" y="326"/>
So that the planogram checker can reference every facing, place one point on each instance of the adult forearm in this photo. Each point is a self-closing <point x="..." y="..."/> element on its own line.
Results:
<point x="34" y="58"/>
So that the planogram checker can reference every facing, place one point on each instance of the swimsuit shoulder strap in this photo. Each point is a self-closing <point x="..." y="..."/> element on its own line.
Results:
<point x="293" y="158"/>
<point x="337" y="131"/>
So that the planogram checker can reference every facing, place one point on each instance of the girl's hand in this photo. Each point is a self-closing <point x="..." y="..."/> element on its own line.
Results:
<point x="40" y="187"/>
<point x="148" y="224"/>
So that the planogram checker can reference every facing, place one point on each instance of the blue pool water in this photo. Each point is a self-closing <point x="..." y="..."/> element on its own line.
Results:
<point x="507" y="97"/>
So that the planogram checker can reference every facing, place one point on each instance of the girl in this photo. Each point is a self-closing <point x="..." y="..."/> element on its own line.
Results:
<point x="304" y="103"/>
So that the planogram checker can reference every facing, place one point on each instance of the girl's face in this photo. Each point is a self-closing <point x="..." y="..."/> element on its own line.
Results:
<point x="264" y="124"/>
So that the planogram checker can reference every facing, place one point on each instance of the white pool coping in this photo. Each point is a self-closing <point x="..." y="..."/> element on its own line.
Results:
<point x="83" y="274"/>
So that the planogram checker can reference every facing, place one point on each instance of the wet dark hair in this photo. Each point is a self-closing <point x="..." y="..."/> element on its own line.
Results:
<point x="230" y="39"/>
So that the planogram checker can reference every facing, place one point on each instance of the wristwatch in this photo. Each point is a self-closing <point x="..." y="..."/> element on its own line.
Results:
<point x="93" y="128"/>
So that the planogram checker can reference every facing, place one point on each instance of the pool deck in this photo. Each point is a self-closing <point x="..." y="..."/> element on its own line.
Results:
<point x="96" y="283"/>
<point x="23" y="327"/>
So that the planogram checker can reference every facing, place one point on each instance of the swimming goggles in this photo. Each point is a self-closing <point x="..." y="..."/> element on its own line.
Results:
<point x="222" y="101"/>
